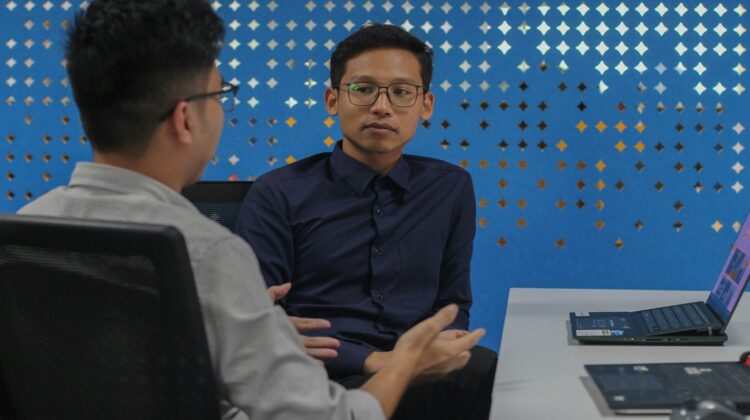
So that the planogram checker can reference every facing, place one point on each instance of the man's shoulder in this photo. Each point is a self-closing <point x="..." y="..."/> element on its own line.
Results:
<point x="440" y="167"/>
<point x="303" y="168"/>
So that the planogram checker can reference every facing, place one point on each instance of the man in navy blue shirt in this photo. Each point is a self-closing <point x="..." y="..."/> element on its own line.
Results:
<point x="371" y="239"/>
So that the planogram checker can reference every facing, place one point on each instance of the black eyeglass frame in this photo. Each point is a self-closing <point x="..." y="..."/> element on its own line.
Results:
<point x="226" y="87"/>
<point x="387" y="92"/>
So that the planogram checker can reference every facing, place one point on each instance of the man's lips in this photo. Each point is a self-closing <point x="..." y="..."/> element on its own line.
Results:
<point x="380" y="126"/>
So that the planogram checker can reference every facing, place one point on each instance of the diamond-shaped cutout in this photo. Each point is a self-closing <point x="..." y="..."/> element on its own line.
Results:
<point x="542" y="125"/>
<point x="523" y="106"/>
<point x="503" y="145"/>
<point x="580" y="204"/>
<point x="464" y="105"/>
<point x="678" y="205"/>
<point x="445" y="144"/>
<point x="522" y="145"/>
<point x="484" y="124"/>
<point x="581" y="106"/>
<point x="679" y="167"/>
<point x="679" y="147"/>
<point x="522" y="125"/>
<point x="542" y="106"/>
<point x="620" y="185"/>
<point x="640" y="166"/>
<point x="464" y="144"/>
<point x="562" y="86"/>
<point x="698" y="187"/>
<point x="523" y="86"/>
<point x="503" y="105"/>
<point x="718" y="187"/>
<point x="699" y="128"/>
<point x="639" y="225"/>
<point x="698" y="167"/>
<point x="719" y="147"/>
<point x="659" y="186"/>
<point x="677" y="226"/>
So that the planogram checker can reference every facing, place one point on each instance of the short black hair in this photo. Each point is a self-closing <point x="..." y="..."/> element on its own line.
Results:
<point x="377" y="36"/>
<point x="130" y="60"/>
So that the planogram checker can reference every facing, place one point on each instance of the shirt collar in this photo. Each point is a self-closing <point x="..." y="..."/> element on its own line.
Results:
<point x="359" y="176"/>
<point x="121" y="180"/>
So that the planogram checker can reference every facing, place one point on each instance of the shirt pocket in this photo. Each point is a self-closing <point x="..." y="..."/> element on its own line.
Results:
<point x="419" y="276"/>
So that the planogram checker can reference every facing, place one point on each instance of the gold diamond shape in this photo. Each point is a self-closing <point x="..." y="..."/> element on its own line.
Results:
<point x="329" y="122"/>
<point x="599" y="205"/>
<point x="502" y="242"/>
<point x="560" y="243"/>
<point x="620" y="146"/>
<point x="619" y="243"/>
<point x="482" y="202"/>
<point x="599" y="224"/>
<point x="291" y="122"/>
<point x="640" y="146"/>
<point x="464" y="163"/>
<point x="640" y="126"/>
<point x="600" y="165"/>
<point x="483" y="222"/>
<point x="581" y="126"/>
<point x="621" y="126"/>
<point x="290" y="159"/>
<point x="601" y="126"/>
<point x="716" y="226"/>
<point x="329" y="141"/>
<point x="562" y="145"/>
<point x="600" y="185"/>
<point x="521" y="223"/>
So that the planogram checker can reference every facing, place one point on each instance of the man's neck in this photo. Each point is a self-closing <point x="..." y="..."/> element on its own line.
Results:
<point x="378" y="162"/>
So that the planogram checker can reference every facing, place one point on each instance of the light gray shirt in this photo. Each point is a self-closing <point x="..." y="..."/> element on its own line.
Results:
<point x="261" y="367"/>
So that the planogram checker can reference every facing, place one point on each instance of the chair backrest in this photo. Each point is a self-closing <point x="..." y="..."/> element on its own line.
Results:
<point x="218" y="200"/>
<point x="100" y="320"/>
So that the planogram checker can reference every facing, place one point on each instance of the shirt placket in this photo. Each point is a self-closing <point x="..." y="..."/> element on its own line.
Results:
<point x="383" y="259"/>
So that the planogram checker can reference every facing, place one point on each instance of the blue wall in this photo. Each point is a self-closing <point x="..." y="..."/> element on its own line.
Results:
<point x="630" y="175"/>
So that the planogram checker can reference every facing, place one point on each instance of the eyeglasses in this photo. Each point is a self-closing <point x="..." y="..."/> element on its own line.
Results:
<point x="402" y="95"/>
<point x="227" y="97"/>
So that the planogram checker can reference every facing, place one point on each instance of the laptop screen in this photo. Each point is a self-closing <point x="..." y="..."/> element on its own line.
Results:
<point x="733" y="277"/>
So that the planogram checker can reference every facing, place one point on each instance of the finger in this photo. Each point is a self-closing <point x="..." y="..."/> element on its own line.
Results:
<point x="320" y="342"/>
<point x="309" y="324"/>
<point x="466" y="342"/>
<point x="322" y="354"/>
<point x="279" y="291"/>
<point x="437" y="323"/>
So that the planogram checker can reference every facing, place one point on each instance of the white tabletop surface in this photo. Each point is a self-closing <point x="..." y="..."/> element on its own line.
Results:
<point x="540" y="372"/>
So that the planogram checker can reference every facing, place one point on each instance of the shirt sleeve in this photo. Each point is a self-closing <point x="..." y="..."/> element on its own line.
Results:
<point x="350" y="360"/>
<point x="455" y="278"/>
<point x="266" y="227"/>
<point x="260" y="365"/>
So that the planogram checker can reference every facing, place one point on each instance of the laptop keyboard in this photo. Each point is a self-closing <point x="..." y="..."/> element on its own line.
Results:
<point x="674" y="317"/>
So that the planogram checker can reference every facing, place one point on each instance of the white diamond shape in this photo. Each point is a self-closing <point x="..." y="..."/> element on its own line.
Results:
<point x="407" y="26"/>
<point x="739" y="89"/>
<point x="661" y="68"/>
<point x="641" y="9"/>
<point x="737" y="187"/>
<point x="485" y="8"/>
<point x="446" y="7"/>
<point x="253" y="25"/>
<point x="740" y="10"/>
<point x="484" y="66"/>
<point x="641" y="28"/>
<point x="680" y="68"/>
<point x="445" y="85"/>
<point x="582" y="28"/>
<point x="446" y="46"/>
<point x="329" y="25"/>
<point x="622" y="9"/>
<point x="622" y="28"/>
<point x="700" y="49"/>
<point x="660" y="87"/>
<point x="661" y="9"/>
<point x="524" y="8"/>
<point x="427" y="7"/>
<point x="739" y="49"/>
<point x="426" y="27"/>
<point x="737" y="167"/>
<point x="661" y="28"/>
<point x="700" y="9"/>
<point x="524" y="27"/>
<point x="11" y="43"/>
<point x="621" y="48"/>
<point x="543" y="47"/>
<point x="601" y="67"/>
<point x="700" y="88"/>
<point x="465" y="47"/>
<point x="407" y="7"/>
<point x="582" y="47"/>
<point x="720" y="49"/>
<point x="485" y="47"/>
<point x="484" y="86"/>
<point x="681" y="29"/>
<point x="563" y="66"/>
<point x="485" y="27"/>
<point x="253" y="44"/>
<point x="523" y="66"/>
<point x="602" y="47"/>
<point x="543" y="9"/>
<point x="582" y="9"/>
<point x="680" y="48"/>
<point x="602" y="87"/>
<point x="621" y="67"/>
<point x="543" y="28"/>
<point x="640" y="67"/>
<point x="465" y="85"/>
<point x="738" y="148"/>
<point x="563" y="28"/>
<point x="720" y="29"/>
<point x="504" y="47"/>
<point x="504" y="8"/>
<point x="504" y="27"/>
<point x="465" y="66"/>
<point x="699" y="68"/>
<point x="387" y="6"/>
<point x="234" y="63"/>
<point x="446" y="27"/>
<point x="602" y="28"/>
<point x="563" y="47"/>
<point x="739" y="69"/>
<point x="641" y="48"/>
<point x="738" y="128"/>
<point x="681" y="9"/>
<point x="563" y="8"/>
<point x="740" y="29"/>
<point x="602" y="9"/>
<point x="719" y="88"/>
<point x="700" y="29"/>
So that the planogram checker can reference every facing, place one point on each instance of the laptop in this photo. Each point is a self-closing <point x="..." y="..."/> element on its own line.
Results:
<point x="697" y="323"/>
<point x="655" y="388"/>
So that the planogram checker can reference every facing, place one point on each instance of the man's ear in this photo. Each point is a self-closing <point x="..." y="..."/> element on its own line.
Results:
<point x="427" y="106"/>
<point x="332" y="101"/>
<point x="181" y="123"/>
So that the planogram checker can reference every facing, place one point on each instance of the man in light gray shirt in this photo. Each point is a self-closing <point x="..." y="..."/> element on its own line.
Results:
<point x="152" y="103"/>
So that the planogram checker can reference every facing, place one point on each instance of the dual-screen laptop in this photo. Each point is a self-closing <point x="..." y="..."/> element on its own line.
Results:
<point x="694" y="323"/>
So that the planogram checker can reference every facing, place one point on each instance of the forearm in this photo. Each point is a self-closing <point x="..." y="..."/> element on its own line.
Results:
<point x="389" y="384"/>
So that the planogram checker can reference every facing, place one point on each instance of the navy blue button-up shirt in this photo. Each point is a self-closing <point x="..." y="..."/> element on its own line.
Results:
<point x="374" y="254"/>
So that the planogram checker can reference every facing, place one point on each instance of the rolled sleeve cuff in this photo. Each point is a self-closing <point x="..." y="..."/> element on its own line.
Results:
<point x="350" y="361"/>
<point x="365" y="405"/>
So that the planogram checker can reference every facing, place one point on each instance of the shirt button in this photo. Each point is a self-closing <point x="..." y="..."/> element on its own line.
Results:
<point x="379" y="296"/>
<point x="376" y="253"/>
<point x="378" y="212"/>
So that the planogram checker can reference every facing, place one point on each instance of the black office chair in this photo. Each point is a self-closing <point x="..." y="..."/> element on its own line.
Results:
<point x="219" y="200"/>
<point x="100" y="320"/>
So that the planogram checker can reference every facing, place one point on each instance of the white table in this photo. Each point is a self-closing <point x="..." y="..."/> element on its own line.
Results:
<point x="540" y="372"/>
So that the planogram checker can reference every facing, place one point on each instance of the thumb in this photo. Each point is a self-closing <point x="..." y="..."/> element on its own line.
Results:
<point x="278" y="292"/>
